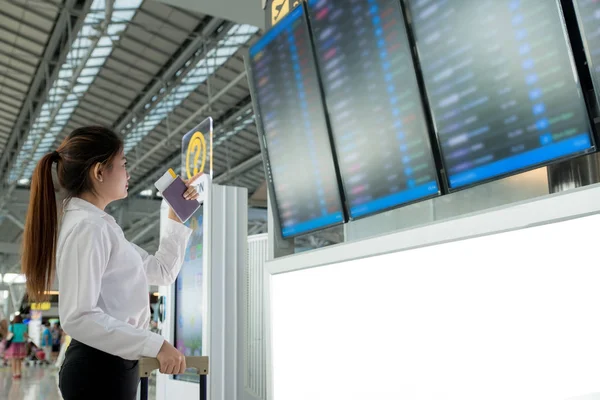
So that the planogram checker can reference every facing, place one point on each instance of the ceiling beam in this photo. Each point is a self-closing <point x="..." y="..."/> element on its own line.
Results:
<point x="20" y="199"/>
<point x="146" y="229"/>
<point x="67" y="25"/>
<point x="10" y="248"/>
<point x="9" y="215"/>
<point x="239" y="169"/>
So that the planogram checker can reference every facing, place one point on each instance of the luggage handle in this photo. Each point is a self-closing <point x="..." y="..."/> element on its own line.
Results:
<point x="147" y="365"/>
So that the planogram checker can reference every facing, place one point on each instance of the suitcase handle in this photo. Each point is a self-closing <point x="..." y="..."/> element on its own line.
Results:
<point x="147" y="365"/>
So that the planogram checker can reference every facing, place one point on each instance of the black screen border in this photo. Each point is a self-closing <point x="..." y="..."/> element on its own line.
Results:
<point x="583" y="101"/>
<point x="577" y="32"/>
<point x="433" y="144"/>
<point x="263" y="140"/>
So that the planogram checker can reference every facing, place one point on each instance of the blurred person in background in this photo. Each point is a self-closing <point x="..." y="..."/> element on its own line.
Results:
<point x="17" y="349"/>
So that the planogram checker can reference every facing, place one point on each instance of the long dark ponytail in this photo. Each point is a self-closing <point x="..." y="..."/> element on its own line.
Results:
<point x="76" y="156"/>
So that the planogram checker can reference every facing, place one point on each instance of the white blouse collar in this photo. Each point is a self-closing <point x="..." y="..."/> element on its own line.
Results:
<point x="76" y="203"/>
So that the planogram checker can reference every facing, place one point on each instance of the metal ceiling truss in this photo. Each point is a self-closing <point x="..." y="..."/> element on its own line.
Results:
<point x="89" y="52"/>
<point x="194" y="118"/>
<point x="60" y="99"/>
<point x="61" y="96"/>
<point x="68" y="23"/>
<point x="214" y="59"/>
<point x="208" y="35"/>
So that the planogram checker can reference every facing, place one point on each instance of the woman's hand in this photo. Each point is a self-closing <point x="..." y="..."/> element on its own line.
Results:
<point x="171" y="361"/>
<point x="191" y="193"/>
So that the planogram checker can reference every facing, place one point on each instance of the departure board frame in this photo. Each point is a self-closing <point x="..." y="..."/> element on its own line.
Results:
<point x="422" y="121"/>
<point x="591" y="65"/>
<point x="263" y="142"/>
<point x="583" y="104"/>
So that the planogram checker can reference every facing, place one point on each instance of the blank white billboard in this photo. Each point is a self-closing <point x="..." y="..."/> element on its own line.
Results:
<point x="512" y="316"/>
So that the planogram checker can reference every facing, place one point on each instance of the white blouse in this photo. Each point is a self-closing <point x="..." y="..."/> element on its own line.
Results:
<point x="103" y="280"/>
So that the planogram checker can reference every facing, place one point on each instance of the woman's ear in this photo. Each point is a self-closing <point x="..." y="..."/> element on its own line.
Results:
<point x="97" y="172"/>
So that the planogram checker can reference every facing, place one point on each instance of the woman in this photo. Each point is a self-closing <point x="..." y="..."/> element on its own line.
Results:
<point x="102" y="278"/>
<point x="17" y="350"/>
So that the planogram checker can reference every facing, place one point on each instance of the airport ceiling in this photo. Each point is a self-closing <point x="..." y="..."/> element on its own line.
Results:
<point x="149" y="70"/>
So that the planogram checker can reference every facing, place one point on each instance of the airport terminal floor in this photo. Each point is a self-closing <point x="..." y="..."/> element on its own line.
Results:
<point x="37" y="383"/>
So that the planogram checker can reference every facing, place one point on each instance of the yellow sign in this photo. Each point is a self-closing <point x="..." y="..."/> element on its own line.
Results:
<point x="41" y="306"/>
<point x="197" y="150"/>
<point x="279" y="9"/>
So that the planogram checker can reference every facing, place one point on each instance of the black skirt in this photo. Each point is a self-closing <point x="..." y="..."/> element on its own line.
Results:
<point x="88" y="373"/>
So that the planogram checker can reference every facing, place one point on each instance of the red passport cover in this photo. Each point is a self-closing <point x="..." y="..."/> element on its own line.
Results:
<point x="174" y="196"/>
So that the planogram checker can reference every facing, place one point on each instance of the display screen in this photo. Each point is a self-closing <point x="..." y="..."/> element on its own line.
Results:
<point x="589" y="15"/>
<point x="287" y="91"/>
<point x="189" y="297"/>
<point x="501" y="85"/>
<point x="374" y="103"/>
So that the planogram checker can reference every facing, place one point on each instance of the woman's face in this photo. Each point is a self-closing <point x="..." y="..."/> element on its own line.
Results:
<point x="114" y="179"/>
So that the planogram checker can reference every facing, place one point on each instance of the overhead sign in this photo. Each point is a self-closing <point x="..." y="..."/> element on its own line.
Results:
<point x="41" y="306"/>
<point x="196" y="150"/>
<point x="277" y="9"/>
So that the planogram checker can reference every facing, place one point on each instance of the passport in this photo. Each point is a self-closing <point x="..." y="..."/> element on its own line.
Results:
<point x="172" y="188"/>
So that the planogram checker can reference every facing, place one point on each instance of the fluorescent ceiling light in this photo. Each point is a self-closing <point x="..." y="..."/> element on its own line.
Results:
<point x="9" y="278"/>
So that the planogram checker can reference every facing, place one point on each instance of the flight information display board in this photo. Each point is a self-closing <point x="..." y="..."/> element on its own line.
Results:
<point x="588" y="12"/>
<point x="374" y="104"/>
<point x="292" y="114"/>
<point x="501" y="85"/>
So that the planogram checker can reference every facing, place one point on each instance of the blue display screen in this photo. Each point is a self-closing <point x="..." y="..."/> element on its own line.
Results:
<point x="292" y="115"/>
<point x="501" y="86"/>
<point x="374" y="103"/>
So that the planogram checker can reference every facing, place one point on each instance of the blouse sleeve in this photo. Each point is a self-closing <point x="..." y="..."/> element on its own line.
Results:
<point x="162" y="268"/>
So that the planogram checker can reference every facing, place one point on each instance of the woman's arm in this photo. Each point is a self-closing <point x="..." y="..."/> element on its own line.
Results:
<point x="80" y="275"/>
<point x="163" y="267"/>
